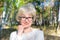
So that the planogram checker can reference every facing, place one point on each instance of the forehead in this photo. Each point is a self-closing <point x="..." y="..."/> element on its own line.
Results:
<point x="26" y="15"/>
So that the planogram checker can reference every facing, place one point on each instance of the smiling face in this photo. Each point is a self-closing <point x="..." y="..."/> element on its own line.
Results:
<point x="26" y="20"/>
<point x="25" y="13"/>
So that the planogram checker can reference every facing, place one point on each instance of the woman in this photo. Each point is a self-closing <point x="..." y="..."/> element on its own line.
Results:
<point x="25" y="16"/>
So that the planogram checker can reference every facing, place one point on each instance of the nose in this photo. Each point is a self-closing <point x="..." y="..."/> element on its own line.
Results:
<point x="26" y="19"/>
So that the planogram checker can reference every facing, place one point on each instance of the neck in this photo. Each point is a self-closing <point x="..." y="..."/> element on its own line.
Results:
<point x="28" y="29"/>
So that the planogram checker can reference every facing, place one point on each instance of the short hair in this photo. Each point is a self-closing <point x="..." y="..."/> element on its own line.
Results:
<point x="28" y="8"/>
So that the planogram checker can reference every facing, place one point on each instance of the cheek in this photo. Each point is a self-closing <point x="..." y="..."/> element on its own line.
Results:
<point x="22" y="21"/>
<point x="30" y="22"/>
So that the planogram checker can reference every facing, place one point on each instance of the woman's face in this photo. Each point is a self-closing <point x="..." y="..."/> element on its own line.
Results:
<point x="26" y="20"/>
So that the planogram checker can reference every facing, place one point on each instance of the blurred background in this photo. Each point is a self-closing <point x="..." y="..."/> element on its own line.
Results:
<point x="47" y="19"/>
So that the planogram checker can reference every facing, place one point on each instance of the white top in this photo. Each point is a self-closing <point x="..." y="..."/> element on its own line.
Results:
<point x="34" y="35"/>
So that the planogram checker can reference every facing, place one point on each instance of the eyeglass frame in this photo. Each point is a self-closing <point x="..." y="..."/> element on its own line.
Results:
<point x="25" y="17"/>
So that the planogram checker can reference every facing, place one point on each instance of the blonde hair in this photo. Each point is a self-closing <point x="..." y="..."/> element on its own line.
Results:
<point x="26" y="9"/>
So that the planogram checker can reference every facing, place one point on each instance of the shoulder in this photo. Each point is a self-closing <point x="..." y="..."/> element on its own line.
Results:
<point x="38" y="31"/>
<point x="39" y="34"/>
<point x="13" y="33"/>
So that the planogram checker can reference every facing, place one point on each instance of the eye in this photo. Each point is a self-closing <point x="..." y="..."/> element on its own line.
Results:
<point x="23" y="17"/>
<point x="29" y="17"/>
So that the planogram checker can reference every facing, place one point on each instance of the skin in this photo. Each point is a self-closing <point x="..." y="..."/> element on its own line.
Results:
<point x="25" y="26"/>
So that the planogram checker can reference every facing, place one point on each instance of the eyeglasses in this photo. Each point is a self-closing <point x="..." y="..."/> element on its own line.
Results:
<point x="26" y="17"/>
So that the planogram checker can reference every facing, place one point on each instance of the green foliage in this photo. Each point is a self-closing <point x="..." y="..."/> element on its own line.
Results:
<point x="1" y="10"/>
<point x="11" y="7"/>
<point x="47" y="12"/>
<point x="1" y="0"/>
